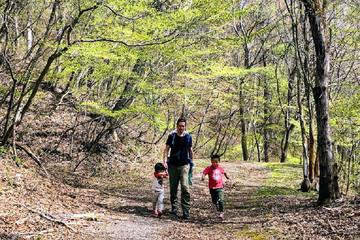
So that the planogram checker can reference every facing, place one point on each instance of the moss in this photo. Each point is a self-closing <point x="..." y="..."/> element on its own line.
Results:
<point x="255" y="235"/>
<point x="3" y="150"/>
<point x="19" y="161"/>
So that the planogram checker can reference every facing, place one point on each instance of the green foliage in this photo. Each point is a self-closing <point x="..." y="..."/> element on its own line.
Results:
<point x="256" y="234"/>
<point x="280" y="49"/>
<point x="187" y="53"/>
<point x="3" y="90"/>
<point x="217" y="69"/>
<point x="19" y="161"/>
<point x="345" y="119"/>
<point x="234" y="152"/>
<point x="3" y="150"/>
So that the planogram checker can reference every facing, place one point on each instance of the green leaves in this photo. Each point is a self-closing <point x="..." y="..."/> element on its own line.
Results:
<point x="345" y="119"/>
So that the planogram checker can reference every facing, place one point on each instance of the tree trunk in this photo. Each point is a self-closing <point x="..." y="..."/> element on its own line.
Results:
<point x="266" y="129"/>
<point x="285" y="148"/>
<point x="288" y="127"/>
<point x="267" y="133"/>
<point x="306" y="76"/>
<point x="312" y="153"/>
<point x="329" y="189"/>
<point x="305" y="185"/>
<point x="244" y="147"/>
<point x="29" y="34"/>
<point x="201" y="124"/>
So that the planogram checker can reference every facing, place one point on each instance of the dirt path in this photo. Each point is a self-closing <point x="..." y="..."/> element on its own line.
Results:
<point x="131" y="216"/>
<point x="124" y="212"/>
<point x="248" y="214"/>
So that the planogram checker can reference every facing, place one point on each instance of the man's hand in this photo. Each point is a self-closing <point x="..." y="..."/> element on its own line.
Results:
<point x="161" y="175"/>
<point x="165" y="155"/>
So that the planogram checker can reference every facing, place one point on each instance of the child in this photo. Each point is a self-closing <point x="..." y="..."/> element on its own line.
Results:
<point x="215" y="172"/>
<point x="158" y="201"/>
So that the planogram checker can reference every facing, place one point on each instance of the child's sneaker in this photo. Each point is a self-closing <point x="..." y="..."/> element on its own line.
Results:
<point x="221" y="216"/>
<point x="159" y="213"/>
<point x="156" y="213"/>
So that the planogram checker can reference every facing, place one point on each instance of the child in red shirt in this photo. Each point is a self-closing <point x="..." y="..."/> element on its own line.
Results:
<point x="216" y="185"/>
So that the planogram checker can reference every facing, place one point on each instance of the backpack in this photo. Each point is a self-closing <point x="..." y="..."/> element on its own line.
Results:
<point x="186" y="136"/>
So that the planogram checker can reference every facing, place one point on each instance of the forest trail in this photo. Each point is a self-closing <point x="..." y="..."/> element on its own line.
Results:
<point x="136" y="221"/>
<point x="249" y="213"/>
<point x="89" y="91"/>
<point x="256" y="207"/>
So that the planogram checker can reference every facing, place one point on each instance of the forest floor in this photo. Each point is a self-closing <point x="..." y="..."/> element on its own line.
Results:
<point x="262" y="202"/>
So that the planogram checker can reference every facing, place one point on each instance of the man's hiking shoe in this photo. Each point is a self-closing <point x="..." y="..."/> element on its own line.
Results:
<point x="186" y="214"/>
<point x="221" y="216"/>
<point x="174" y="211"/>
<point x="186" y="217"/>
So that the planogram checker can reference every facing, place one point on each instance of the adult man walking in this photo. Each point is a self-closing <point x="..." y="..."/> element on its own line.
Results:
<point x="179" y="142"/>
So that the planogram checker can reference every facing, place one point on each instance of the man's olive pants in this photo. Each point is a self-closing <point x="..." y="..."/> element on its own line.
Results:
<point x="179" y="174"/>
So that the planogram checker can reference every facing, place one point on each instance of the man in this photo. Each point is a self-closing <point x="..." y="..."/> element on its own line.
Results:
<point x="179" y="143"/>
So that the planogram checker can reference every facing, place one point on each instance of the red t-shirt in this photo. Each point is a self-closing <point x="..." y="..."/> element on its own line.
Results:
<point x="215" y="176"/>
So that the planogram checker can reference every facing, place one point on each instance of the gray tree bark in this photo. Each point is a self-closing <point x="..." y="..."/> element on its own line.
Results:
<point x="329" y="188"/>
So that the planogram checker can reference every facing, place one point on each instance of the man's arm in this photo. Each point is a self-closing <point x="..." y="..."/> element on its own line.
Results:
<point x="161" y="175"/>
<point x="165" y="155"/>
<point x="191" y="153"/>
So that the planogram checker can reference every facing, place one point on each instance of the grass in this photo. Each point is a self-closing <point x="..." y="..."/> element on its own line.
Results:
<point x="255" y="235"/>
<point x="200" y="164"/>
<point x="284" y="179"/>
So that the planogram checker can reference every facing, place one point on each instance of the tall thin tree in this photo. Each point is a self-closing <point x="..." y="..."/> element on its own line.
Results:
<point x="316" y="13"/>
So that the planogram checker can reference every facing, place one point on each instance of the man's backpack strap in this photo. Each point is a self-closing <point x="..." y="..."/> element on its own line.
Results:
<point x="173" y="139"/>
<point x="187" y="138"/>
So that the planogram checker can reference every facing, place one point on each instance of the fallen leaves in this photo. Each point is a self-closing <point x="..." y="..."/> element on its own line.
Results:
<point x="107" y="211"/>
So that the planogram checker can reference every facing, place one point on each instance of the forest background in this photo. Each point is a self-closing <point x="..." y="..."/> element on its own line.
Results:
<point x="91" y="86"/>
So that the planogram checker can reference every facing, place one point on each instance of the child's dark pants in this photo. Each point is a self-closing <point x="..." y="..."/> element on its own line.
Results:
<point x="217" y="197"/>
